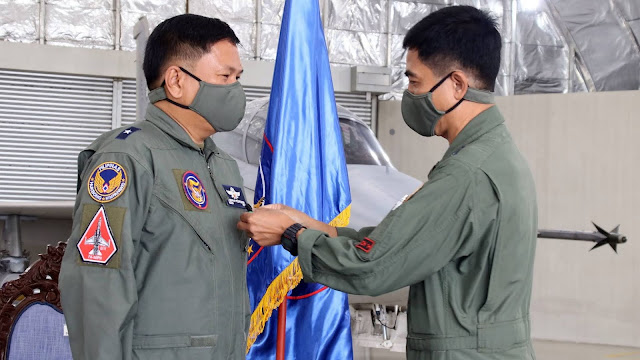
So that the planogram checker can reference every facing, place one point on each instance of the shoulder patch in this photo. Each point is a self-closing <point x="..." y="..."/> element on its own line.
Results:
<point x="366" y="245"/>
<point x="194" y="190"/>
<point x="107" y="182"/>
<point x="97" y="245"/>
<point x="126" y="132"/>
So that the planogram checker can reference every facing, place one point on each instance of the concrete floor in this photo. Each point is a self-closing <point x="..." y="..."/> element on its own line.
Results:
<point x="547" y="350"/>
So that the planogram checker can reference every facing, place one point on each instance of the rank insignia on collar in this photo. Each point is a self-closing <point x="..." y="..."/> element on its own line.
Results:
<point x="126" y="132"/>
<point x="97" y="245"/>
<point x="236" y="197"/>
<point x="107" y="182"/>
<point x="194" y="190"/>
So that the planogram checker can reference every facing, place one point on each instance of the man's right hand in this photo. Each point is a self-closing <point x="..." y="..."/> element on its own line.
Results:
<point x="304" y="219"/>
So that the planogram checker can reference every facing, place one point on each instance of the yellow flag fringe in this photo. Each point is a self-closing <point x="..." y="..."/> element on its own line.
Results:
<point x="277" y="291"/>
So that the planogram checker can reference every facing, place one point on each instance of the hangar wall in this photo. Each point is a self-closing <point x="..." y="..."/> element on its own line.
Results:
<point x="584" y="152"/>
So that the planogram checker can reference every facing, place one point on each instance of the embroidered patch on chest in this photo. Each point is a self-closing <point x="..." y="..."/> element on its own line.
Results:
<point x="366" y="245"/>
<point x="194" y="190"/>
<point x="107" y="182"/>
<point x="236" y="197"/>
<point x="97" y="244"/>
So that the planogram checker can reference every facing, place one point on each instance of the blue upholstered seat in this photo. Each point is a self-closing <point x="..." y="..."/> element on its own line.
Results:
<point x="38" y="334"/>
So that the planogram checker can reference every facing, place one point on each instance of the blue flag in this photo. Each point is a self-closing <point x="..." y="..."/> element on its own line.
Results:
<point x="302" y="165"/>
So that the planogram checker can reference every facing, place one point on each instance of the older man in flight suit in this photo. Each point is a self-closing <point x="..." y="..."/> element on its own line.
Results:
<point x="155" y="267"/>
<point x="465" y="241"/>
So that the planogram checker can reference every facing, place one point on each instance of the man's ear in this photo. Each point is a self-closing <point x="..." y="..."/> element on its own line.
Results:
<point x="174" y="82"/>
<point x="460" y="82"/>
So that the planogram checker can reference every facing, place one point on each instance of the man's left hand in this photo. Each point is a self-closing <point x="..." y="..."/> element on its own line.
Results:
<point x="265" y="226"/>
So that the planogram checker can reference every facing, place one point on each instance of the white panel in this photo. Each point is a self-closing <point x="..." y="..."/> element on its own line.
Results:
<point x="128" y="102"/>
<point x="46" y="120"/>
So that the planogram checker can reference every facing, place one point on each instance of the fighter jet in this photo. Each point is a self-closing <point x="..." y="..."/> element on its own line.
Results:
<point x="96" y="240"/>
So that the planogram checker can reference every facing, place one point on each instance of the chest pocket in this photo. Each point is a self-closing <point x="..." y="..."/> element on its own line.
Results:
<point x="231" y="201"/>
<point x="181" y="184"/>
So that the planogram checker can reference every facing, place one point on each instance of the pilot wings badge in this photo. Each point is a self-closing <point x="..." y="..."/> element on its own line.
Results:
<point x="97" y="244"/>
<point x="236" y="197"/>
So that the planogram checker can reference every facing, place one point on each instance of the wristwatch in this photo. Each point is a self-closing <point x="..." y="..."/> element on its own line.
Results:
<point x="289" y="238"/>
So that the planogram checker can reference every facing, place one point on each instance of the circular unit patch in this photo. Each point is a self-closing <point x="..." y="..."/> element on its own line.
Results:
<point x="107" y="182"/>
<point x="194" y="190"/>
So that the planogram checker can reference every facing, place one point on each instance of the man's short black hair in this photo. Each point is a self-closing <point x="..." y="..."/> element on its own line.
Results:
<point x="187" y="37"/>
<point x="458" y="36"/>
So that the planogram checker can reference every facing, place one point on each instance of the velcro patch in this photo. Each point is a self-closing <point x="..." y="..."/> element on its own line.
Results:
<point x="97" y="245"/>
<point x="236" y="197"/>
<point x="107" y="182"/>
<point x="114" y="219"/>
<point x="366" y="245"/>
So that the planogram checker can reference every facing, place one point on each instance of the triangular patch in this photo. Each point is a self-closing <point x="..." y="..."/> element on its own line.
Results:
<point x="97" y="244"/>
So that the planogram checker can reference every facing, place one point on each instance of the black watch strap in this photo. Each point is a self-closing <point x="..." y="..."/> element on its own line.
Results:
<point x="290" y="240"/>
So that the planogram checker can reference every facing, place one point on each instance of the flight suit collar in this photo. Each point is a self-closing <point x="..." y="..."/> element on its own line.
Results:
<point x="478" y="126"/>
<point x="169" y="126"/>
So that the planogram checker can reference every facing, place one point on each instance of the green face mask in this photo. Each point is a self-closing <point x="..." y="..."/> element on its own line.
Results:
<point x="422" y="116"/>
<point x="221" y="105"/>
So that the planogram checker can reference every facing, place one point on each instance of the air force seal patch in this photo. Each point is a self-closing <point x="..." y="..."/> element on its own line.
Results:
<point x="107" y="182"/>
<point x="236" y="197"/>
<point x="194" y="190"/>
<point x="97" y="244"/>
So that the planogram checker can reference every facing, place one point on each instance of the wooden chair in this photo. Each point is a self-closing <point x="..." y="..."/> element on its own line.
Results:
<point x="32" y="325"/>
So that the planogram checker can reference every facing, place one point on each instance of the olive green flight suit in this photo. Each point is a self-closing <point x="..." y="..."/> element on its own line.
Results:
<point x="465" y="243"/>
<point x="176" y="286"/>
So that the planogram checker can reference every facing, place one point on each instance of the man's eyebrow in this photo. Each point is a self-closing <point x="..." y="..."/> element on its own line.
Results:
<point x="409" y="73"/>
<point x="233" y="69"/>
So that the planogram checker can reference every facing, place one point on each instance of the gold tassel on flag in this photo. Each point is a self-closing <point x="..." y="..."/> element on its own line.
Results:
<point x="286" y="281"/>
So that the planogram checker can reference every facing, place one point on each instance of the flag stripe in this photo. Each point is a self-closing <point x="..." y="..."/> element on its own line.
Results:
<point x="308" y="295"/>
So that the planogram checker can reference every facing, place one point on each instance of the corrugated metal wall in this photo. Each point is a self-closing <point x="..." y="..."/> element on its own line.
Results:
<point x="47" y="119"/>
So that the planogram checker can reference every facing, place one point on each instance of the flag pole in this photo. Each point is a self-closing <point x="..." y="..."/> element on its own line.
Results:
<point x="282" y="330"/>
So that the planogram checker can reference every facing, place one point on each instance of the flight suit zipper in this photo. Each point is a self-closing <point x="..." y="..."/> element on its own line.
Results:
<point x="204" y="157"/>
<point x="233" y="295"/>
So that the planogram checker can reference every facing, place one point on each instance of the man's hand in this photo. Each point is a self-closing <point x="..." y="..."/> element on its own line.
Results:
<point x="297" y="215"/>
<point x="304" y="219"/>
<point x="265" y="226"/>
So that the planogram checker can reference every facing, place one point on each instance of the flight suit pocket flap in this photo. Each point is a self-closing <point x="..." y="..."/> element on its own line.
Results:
<point x="502" y="336"/>
<point x="173" y="341"/>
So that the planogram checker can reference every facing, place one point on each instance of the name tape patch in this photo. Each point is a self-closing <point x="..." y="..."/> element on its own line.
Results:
<point x="236" y="197"/>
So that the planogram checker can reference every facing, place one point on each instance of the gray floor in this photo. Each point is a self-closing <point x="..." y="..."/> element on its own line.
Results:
<point x="549" y="350"/>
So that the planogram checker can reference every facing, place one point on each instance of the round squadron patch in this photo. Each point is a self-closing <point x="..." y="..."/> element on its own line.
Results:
<point x="194" y="190"/>
<point x="107" y="182"/>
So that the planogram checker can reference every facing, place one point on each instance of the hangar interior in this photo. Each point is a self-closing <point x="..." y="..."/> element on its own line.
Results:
<point x="568" y="84"/>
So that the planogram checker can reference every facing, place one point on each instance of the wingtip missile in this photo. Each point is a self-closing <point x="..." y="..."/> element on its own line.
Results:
<point x="601" y="237"/>
<point x="613" y="238"/>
